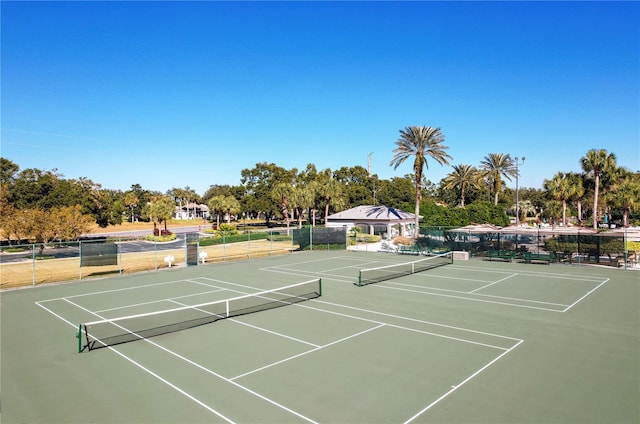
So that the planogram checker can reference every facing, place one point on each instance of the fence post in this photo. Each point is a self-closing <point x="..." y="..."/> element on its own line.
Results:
<point x="33" y="265"/>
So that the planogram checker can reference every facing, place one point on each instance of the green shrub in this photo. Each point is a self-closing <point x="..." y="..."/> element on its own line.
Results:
<point x="160" y="239"/>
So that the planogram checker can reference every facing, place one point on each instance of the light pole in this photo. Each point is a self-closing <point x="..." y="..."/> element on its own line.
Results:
<point x="517" y="199"/>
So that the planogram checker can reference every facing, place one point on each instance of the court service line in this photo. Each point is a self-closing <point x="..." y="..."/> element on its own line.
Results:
<point x="475" y="294"/>
<point x="466" y="380"/>
<point x="201" y="367"/>
<point x="340" y="278"/>
<point x="113" y="290"/>
<point x="253" y="326"/>
<point x="409" y="319"/>
<point x="538" y="274"/>
<point x="467" y="298"/>
<point x="495" y="282"/>
<point x="383" y="314"/>
<point x="587" y="294"/>
<point x="158" y="301"/>
<point x="307" y="352"/>
<point x="392" y="325"/>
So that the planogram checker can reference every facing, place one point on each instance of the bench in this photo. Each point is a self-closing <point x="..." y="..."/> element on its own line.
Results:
<point x="410" y="250"/>
<point x="530" y="258"/>
<point x="504" y="255"/>
<point x="387" y="248"/>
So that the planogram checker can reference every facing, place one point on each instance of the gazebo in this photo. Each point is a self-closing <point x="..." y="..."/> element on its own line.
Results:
<point x="383" y="220"/>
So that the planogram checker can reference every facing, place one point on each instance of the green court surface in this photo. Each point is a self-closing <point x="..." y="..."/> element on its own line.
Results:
<point x="469" y="342"/>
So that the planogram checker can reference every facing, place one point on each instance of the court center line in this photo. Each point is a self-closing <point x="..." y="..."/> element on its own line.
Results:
<point x="411" y="319"/>
<point x="384" y="314"/>
<point x="467" y="298"/>
<point x="254" y="326"/>
<point x="114" y="290"/>
<point x="463" y="382"/>
<point x="307" y="352"/>
<point x="475" y="294"/>
<point x="157" y="301"/>
<point x="495" y="282"/>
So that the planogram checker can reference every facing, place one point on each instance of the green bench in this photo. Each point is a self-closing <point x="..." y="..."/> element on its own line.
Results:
<point x="530" y="257"/>
<point x="414" y="249"/>
<point x="504" y="255"/>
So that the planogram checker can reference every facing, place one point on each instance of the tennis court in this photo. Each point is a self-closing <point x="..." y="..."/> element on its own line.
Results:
<point x="470" y="341"/>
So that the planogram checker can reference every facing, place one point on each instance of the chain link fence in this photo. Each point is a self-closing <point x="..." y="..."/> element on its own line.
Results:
<point x="34" y="264"/>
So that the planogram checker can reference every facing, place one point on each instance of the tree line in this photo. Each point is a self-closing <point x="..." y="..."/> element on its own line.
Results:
<point x="34" y="199"/>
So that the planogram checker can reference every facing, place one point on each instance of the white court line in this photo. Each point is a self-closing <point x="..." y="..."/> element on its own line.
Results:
<point x="538" y="274"/>
<point x="495" y="282"/>
<point x="255" y="327"/>
<point x="340" y="278"/>
<point x="303" y="305"/>
<point x="56" y="315"/>
<point x="426" y="288"/>
<point x="157" y="301"/>
<point x="307" y="352"/>
<point x="165" y="381"/>
<point x="465" y="298"/>
<point x="114" y="290"/>
<point x="588" y="293"/>
<point x="203" y="368"/>
<point x="466" y="380"/>
<point x="332" y="312"/>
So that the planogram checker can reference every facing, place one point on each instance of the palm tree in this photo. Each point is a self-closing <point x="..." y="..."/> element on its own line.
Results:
<point x="462" y="178"/>
<point x="625" y="195"/>
<point x="496" y="165"/>
<point x="421" y="142"/>
<point x="131" y="201"/>
<point x="560" y="188"/>
<point x="217" y="205"/>
<point x="331" y="193"/>
<point x="302" y="198"/>
<point x="231" y="206"/>
<point x="577" y="183"/>
<point x="281" y="194"/>
<point x="597" y="163"/>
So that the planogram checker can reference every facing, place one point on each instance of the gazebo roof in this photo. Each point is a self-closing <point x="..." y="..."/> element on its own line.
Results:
<point x="369" y="213"/>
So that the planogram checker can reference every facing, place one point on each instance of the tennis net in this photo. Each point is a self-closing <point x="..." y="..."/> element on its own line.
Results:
<point x="109" y="332"/>
<point x="387" y="272"/>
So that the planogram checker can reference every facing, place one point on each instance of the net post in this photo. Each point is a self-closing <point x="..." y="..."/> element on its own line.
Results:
<point x="320" y="286"/>
<point x="79" y="336"/>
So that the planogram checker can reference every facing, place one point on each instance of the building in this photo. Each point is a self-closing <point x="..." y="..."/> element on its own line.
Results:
<point x="383" y="220"/>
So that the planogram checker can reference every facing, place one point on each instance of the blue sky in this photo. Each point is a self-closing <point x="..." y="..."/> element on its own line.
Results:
<point x="175" y="94"/>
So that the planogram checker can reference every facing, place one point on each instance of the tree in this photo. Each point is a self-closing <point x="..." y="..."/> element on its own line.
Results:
<point x="398" y="192"/>
<point x="259" y="184"/>
<point x="495" y="166"/>
<point x="331" y="193"/>
<point x="462" y="178"/>
<point x="231" y="206"/>
<point x="577" y="183"/>
<point x="597" y="163"/>
<point x="302" y="198"/>
<point x="560" y="189"/>
<point x="625" y="196"/>
<point x="281" y="194"/>
<point x="131" y="201"/>
<point x="421" y="143"/>
<point x="217" y="205"/>
<point x="159" y="210"/>
<point x="357" y="184"/>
